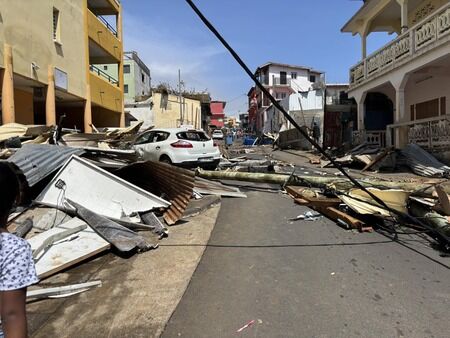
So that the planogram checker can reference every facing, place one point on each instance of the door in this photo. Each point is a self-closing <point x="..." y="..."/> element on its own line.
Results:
<point x="332" y="129"/>
<point x="283" y="78"/>
<point x="149" y="145"/>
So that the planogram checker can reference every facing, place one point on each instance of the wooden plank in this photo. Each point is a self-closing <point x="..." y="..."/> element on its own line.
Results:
<point x="336" y="214"/>
<point x="309" y="196"/>
<point x="377" y="159"/>
<point x="301" y="201"/>
<point x="65" y="254"/>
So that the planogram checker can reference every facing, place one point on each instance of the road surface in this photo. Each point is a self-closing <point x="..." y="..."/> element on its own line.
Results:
<point x="310" y="279"/>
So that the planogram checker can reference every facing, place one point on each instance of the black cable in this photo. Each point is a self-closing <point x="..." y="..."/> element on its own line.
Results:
<point x="441" y="235"/>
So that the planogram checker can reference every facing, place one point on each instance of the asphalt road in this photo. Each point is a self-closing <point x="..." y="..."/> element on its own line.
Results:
<point x="310" y="279"/>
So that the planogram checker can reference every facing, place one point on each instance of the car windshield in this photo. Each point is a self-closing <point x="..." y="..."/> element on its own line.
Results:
<point x="193" y="136"/>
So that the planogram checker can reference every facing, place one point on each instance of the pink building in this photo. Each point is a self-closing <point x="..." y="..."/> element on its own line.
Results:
<point x="217" y="114"/>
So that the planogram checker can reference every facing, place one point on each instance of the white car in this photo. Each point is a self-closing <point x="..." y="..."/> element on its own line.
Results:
<point x="217" y="134"/>
<point x="180" y="146"/>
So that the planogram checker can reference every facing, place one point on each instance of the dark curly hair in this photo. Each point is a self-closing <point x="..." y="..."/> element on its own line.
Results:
<point x="9" y="189"/>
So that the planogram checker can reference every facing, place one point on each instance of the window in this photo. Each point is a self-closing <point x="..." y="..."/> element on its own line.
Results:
<point x="283" y="95"/>
<point x="105" y="67"/>
<point x="56" y="26"/>
<point x="144" y="138"/>
<point x="159" y="136"/>
<point x="283" y="78"/>
<point x="152" y="137"/>
<point x="277" y="95"/>
<point x="312" y="78"/>
<point x="126" y="69"/>
<point x="143" y="77"/>
<point x="125" y="89"/>
<point x="294" y="75"/>
<point x="193" y="136"/>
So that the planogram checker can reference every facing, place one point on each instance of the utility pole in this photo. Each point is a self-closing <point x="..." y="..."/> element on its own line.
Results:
<point x="179" y="97"/>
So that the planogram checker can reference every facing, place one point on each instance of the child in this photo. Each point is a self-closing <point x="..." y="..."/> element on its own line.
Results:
<point x="17" y="269"/>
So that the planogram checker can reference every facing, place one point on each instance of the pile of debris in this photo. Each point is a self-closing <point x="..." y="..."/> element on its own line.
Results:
<point x="86" y="194"/>
<point x="421" y="206"/>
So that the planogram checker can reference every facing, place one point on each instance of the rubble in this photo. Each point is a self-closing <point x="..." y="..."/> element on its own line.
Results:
<point x="91" y="193"/>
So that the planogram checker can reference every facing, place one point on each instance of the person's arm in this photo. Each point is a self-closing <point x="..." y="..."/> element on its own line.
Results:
<point x="13" y="313"/>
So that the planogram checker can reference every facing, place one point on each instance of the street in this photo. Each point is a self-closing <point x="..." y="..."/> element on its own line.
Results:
<point x="309" y="279"/>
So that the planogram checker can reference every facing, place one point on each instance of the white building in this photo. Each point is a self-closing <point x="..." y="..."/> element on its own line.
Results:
<point x="283" y="80"/>
<point x="403" y="89"/>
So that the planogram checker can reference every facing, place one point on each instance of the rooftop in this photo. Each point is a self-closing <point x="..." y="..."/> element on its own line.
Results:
<point x="272" y="63"/>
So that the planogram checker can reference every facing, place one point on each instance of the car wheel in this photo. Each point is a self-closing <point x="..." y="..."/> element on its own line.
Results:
<point x="165" y="159"/>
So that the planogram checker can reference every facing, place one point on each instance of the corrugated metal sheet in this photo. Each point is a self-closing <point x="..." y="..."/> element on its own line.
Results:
<point x="37" y="161"/>
<point x="169" y="182"/>
<point x="423" y="163"/>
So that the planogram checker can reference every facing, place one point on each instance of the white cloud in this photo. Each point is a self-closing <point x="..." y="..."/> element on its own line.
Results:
<point x="165" y="53"/>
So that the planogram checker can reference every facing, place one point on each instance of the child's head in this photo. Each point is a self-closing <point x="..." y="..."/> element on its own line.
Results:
<point x="9" y="188"/>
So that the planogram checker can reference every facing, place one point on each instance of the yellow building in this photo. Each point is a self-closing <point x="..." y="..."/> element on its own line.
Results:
<point x="168" y="113"/>
<point x="48" y="56"/>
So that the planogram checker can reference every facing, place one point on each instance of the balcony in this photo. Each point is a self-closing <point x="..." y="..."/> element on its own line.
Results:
<point x="104" y="7"/>
<point x="104" y="75"/>
<point x="429" y="34"/>
<point x="105" y="92"/>
<point x="105" y="37"/>
<point x="431" y="133"/>
<point x="265" y="80"/>
<point x="277" y="81"/>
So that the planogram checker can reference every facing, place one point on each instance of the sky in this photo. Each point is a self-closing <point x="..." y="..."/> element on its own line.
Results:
<point x="169" y="36"/>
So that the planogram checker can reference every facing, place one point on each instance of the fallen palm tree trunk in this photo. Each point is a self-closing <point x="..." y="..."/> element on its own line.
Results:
<point x="432" y="218"/>
<point x="316" y="181"/>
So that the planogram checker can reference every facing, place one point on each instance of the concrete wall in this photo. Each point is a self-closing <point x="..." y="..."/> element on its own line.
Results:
<point x="140" y="87"/>
<point x="422" y="10"/>
<point x="102" y="117"/>
<point x="170" y="117"/>
<point x="302" y="82"/>
<point x="27" y="26"/>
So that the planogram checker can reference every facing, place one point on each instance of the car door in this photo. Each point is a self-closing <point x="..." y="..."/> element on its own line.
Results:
<point x="146" y="147"/>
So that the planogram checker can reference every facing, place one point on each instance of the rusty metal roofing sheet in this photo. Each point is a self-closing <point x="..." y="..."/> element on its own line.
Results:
<point x="37" y="161"/>
<point x="169" y="182"/>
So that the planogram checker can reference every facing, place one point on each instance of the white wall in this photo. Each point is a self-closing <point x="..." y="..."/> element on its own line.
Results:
<point x="302" y="82"/>
<point x="433" y="88"/>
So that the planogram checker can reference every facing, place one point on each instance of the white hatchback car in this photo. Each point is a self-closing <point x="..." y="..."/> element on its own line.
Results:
<point x="183" y="147"/>
<point x="217" y="134"/>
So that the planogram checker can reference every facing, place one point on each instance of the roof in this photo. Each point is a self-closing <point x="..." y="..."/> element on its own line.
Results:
<point x="217" y="101"/>
<point x="271" y="63"/>
<point x="171" y="130"/>
<point x="360" y="11"/>
<point x="37" y="161"/>
<point x="135" y="57"/>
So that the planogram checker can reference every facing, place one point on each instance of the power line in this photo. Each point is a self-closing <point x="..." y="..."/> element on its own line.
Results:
<point x="440" y="234"/>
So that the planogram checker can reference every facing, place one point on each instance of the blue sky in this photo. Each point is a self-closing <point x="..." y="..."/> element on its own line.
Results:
<point x="168" y="35"/>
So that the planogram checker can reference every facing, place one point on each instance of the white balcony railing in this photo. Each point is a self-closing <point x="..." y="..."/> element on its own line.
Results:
<point x="370" y="137"/>
<point x="431" y="32"/>
<point x="431" y="133"/>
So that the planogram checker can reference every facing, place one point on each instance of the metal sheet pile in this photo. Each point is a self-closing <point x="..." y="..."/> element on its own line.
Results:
<point x="85" y="194"/>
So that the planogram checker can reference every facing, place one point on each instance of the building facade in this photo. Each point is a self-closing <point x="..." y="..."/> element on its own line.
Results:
<point x="281" y="80"/>
<point x="402" y="89"/>
<point x="50" y="70"/>
<point x="168" y="113"/>
<point x="217" y="120"/>
<point x="136" y="77"/>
